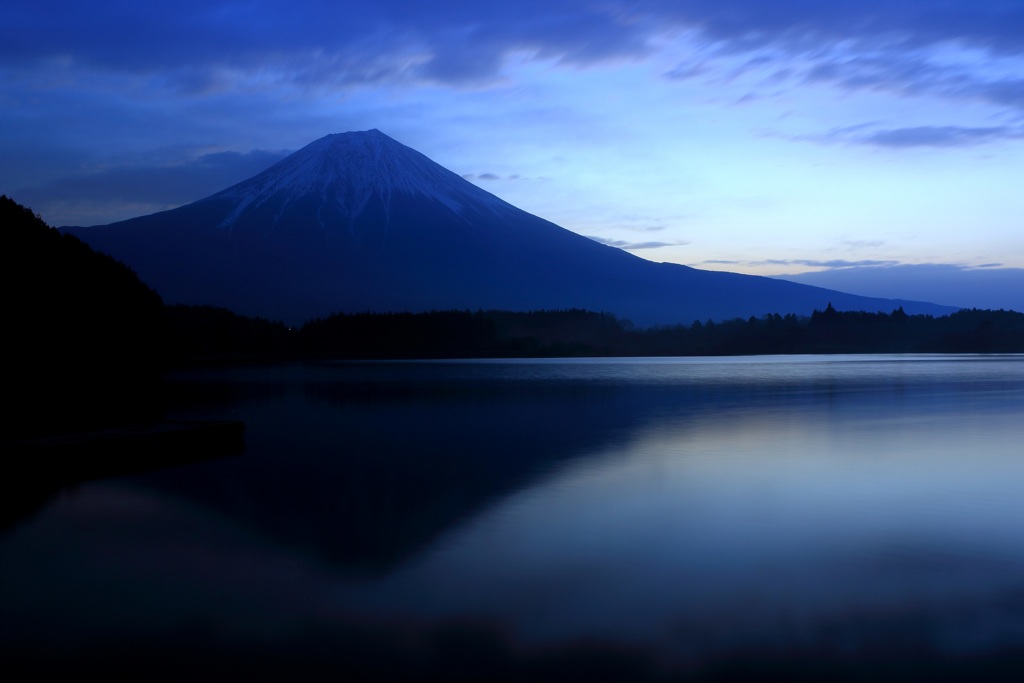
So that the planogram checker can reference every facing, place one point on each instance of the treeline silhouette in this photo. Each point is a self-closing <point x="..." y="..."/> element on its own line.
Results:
<point x="218" y="333"/>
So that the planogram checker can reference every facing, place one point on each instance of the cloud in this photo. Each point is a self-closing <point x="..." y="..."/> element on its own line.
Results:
<point x="916" y="74"/>
<point x="802" y="25"/>
<point x="623" y="244"/>
<point x="126" y="190"/>
<point x="862" y="244"/>
<point x="939" y="136"/>
<point x="321" y="41"/>
<point x="490" y="177"/>
<point x="467" y="42"/>
<point x="898" y="266"/>
<point x="814" y="263"/>
<point x="1007" y="91"/>
<point x="916" y="136"/>
<point x="837" y="263"/>
<point x="886" y="69"/>
<point x="684" y="72"/>
<point x="958" y="50"/>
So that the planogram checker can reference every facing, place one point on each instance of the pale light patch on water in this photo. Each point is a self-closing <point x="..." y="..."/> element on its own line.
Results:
<point x="754" y="523"/>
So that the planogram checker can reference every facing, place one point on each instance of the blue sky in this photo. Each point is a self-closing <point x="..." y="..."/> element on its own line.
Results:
<point x="751" y="136"/>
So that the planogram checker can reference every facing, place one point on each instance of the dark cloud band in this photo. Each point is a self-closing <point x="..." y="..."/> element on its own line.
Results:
<point x="460" y="41"/>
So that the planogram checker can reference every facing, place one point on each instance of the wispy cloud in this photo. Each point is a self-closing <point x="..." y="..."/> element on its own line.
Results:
<point x="814" y="263"/>
<point x="686" y="71"/>
<point x="940" y="136"/>
<point x="863" y="244"/>
<point x="625" y="244"/>
<point x="915" y="74"/>
<point x="873" y="134"/>
<point x="494" y="177"/>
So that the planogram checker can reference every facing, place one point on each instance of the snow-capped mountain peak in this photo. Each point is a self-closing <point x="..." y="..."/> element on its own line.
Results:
<point x="341" y="174"/>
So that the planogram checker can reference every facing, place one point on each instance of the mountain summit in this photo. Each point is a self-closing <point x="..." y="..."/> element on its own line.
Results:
<point x="359" y="222"/>
<point x="350" y="181"/>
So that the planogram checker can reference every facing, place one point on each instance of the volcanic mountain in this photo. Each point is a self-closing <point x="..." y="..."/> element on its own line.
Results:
<point x="359" y="222"/>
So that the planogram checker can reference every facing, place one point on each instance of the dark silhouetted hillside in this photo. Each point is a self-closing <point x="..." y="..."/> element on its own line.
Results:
<point x="84" y="336"/>
<point x="212" y="334"/>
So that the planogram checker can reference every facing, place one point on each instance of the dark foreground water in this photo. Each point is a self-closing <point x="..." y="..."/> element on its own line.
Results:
<point x="790" y="518"/>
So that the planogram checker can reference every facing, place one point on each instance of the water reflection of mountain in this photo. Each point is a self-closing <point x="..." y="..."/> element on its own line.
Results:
<point x="365" y="476"/>
<point x="366" y="468"/>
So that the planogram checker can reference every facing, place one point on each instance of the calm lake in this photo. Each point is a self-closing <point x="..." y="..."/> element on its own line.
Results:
<point x="597" y="519"/>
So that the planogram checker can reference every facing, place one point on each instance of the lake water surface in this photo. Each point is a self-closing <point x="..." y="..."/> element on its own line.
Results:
<point x="607" y="519"/>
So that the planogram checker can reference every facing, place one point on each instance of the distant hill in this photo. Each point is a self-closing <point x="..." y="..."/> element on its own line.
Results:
<point x="988" y="287"/>
<point x="357" y="222"/>
<point x="84" y="337"/>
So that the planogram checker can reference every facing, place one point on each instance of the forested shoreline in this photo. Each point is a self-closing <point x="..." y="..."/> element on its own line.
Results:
<point x="207" y="333"/>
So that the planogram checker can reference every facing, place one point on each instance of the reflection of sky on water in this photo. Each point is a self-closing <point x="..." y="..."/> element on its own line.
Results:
<point x="760" y="524"/>
<point x="701" y="508"/>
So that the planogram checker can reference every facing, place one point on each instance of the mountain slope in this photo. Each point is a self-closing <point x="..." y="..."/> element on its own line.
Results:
<point x="358" y="222"/>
